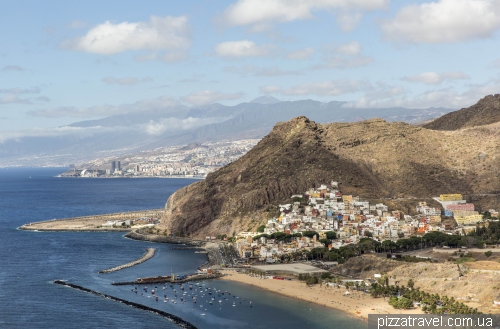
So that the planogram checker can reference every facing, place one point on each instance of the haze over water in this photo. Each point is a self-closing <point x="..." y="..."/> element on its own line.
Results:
<point x="30" y="261"/>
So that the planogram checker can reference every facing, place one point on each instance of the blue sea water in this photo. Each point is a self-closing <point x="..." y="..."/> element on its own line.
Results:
<point x="30" y="261"/>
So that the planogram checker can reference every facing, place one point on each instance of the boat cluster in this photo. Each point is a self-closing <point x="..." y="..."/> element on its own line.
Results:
<point x="182" y="293"/>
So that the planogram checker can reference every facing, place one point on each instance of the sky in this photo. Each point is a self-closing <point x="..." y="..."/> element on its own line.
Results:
<point x="68" y="61"/>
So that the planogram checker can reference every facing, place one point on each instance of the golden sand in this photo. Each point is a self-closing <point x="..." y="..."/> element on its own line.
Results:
<point x="356" y="304"/>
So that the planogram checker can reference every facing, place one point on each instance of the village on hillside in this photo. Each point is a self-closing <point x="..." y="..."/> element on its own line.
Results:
<point x="324" y="217"/>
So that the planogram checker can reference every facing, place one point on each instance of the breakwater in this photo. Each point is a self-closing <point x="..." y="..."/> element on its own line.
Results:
<point x="138" y="235"/>
<point x="172" y="318"/>
<point x="150" y="252"/>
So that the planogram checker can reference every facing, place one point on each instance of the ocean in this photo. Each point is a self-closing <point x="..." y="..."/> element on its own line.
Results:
<point x="31" y="261"/>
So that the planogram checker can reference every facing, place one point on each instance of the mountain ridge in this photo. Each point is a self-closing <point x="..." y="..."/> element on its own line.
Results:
<point x="485" y="111"/>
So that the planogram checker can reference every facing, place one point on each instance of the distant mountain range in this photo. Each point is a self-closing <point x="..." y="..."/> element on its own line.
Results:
<point x="178" y="125"/>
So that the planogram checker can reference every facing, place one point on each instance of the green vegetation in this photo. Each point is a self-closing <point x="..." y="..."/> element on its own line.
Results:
<point x="261" y="228"/>
<point x="331" y="235"/>
<point x="488" y="253"/>
<point x="402" y="297"/>
<point x="464" y="260"/>
<point x="309" y="279"/>
<point x="400" y="303"/>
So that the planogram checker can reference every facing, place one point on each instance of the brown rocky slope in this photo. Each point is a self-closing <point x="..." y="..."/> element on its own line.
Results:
<point x="372" y="159"/>
<point x="484" y="112"/>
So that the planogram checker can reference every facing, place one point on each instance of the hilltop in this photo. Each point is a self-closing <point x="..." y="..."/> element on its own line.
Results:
<point x="373" y="159"/>
<point x="484" y="112"/>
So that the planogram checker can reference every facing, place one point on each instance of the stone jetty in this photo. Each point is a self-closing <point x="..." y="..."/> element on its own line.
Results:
<point x="150" y="252"/>
<point x="173" y="318"/>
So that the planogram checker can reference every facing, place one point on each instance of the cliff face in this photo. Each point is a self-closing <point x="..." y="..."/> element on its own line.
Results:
<point x="484" y="112"/>
<point x="373" y="159"/>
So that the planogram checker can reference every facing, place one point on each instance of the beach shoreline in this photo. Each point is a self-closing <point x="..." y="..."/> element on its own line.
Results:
<point x="355" y="305"/>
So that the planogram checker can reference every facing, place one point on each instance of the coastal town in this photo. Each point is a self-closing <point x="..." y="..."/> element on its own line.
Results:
<point x="324" y="217"/>
<point x="186" y="161"/>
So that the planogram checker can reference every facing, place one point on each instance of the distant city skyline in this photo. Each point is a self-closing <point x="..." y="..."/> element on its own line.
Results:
<point x="62" y="62"/>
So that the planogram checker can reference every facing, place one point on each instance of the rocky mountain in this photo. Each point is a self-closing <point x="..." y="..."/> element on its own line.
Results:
<point x="484" y="112"/>
<point x="373" y="159"/>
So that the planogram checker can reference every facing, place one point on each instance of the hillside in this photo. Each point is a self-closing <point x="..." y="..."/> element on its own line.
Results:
<point x="484" y="112"/>
<point x="373" y="159"/>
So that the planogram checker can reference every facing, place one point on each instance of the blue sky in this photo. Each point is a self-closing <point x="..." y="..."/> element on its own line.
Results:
<point x="67" y="61"/>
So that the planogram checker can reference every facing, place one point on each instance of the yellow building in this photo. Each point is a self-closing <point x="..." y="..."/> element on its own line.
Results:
<point x="464" y="213"/>
<point x="435" y="219"/>
<point x="347" y="198"/>
<point x="471" y="219"/>
<point x="450" y="197"/>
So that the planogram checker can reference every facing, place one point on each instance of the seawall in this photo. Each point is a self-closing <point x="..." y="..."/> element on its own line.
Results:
<point x="137" y="235"/>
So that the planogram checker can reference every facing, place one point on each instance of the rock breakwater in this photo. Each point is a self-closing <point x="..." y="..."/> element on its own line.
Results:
<point x="150" y="252"/>
<point x="175" y="319"/>
<point x="138" y="235"/>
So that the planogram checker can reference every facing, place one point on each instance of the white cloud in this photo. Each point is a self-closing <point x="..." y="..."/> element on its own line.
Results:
<point x="260" y="71"/>
<point x="17" y="90"/>
<point x="301" y="54"/>
<point x="125" y="81"/>
<point x="159" y="127"/>
<point x="169" y="124"/>
<point x="12" y="68"/>
<point x="13" y="99"/>
<point x="348" y="21"/>
<point x="43" y="99"/>
<point x="347" y="55"/>
<point x="50" y="132"/>
<point x="351" y="48"/>
<point x="171" y="33"/>
<point x="270" y="89"/>
<point x="261" y="14"/>
<point x="326" y="88"/>
<point x="393" y="96"/>
<point x="207" y="97"/>
<point x="167" y="57"/>
<point x="77" y="24"/>
<point x="242" y="48"/>
<point x="433" y="78"/>
<point x="444" y="21"/>
<point x="162" y="103"/>
<point x="12" y="95"/>
<point x="496" y="63"/>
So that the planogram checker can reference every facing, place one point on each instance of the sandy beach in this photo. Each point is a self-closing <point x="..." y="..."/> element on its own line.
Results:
<point x="356" y="304"/>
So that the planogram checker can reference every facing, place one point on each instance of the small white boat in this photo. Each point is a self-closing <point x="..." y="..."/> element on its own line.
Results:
<point x="202" y="314"/>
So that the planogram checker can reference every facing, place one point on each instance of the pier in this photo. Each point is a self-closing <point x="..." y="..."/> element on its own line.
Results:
<point x="168" y="279"/>
<point x="150" y="252"/>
